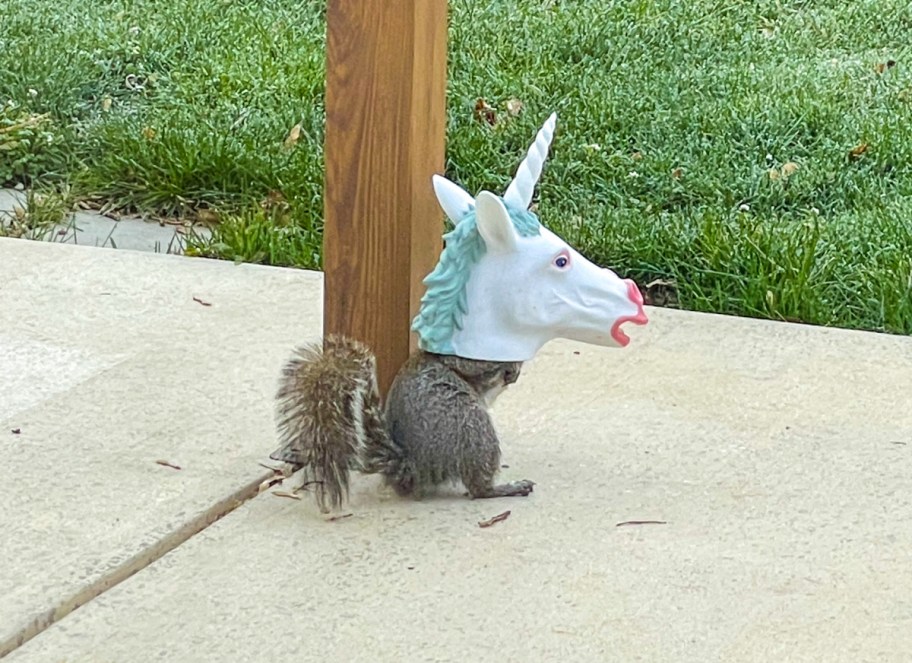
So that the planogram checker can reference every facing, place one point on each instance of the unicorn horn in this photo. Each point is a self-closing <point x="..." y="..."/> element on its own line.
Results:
<point x="519" y="193"/>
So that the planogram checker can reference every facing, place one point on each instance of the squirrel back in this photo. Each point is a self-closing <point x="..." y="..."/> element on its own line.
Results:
<point x="434" y="429"/>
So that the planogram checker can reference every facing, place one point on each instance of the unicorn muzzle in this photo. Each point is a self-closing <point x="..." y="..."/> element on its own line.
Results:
<point x="637" y="318"/>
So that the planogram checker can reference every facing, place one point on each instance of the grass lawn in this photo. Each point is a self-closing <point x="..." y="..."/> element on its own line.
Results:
<point x="757" y="156"/>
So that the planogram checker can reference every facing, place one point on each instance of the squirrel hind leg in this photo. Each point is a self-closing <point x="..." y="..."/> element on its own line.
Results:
<point x="400" y="476"/>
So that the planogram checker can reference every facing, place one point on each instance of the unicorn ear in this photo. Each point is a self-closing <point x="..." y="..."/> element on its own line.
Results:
<point x="494" y="224"/>
<point x="454" y="200"/>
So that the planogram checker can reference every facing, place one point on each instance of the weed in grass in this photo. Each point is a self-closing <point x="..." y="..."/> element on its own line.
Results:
<point x="27" y="142"/>
<point x="261" y="235"/>
<point x="41" y="216"/>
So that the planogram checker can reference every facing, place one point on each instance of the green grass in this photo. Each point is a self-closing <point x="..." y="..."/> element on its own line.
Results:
<point x="672" y="115"/>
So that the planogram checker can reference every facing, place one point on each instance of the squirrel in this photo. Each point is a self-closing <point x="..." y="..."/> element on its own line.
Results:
<point x="433" y="429"/>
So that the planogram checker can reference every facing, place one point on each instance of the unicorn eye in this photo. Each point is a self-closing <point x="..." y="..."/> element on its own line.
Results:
<point x="562" y="261"/>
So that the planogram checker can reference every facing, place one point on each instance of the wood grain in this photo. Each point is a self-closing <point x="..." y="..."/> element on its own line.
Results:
<point x="385" y="137"/>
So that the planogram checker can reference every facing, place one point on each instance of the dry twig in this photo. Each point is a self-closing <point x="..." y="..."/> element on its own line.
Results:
<point x="642" y="522"/>
<point x="500" y="517"/>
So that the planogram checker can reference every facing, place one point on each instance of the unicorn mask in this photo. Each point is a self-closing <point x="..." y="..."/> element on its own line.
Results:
<point x="505" y="285"/>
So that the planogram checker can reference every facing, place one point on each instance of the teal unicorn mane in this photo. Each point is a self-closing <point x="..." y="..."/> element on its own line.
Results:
<point x="444" y="303"/>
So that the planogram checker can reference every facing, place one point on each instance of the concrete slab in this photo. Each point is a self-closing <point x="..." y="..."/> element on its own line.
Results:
<point x="777" y="458"/>
<point x="89" y="228"/>
<point x="10" y="199"/>
<point x="109" y="362"/>
<point x="130" y="233"/>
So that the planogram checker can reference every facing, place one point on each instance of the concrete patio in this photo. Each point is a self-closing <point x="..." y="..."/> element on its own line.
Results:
<point x="773" y="459"/>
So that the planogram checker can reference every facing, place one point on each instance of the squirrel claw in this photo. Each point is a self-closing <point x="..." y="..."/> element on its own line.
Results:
<point x="523" y="487"/>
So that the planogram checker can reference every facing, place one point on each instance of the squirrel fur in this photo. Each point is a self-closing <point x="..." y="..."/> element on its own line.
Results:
<point x="433" y="429"/>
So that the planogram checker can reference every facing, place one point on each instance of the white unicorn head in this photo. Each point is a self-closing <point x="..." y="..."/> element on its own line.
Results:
<point x="505" y="285"/>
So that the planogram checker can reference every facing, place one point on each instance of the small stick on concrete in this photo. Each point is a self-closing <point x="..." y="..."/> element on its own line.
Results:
<point x="200" y="301"/>
<point x="642" y="522"/>
<point x="167" y="464"/>
<point x="500" y="517"/>
<point x="278" y="470"/>
<point x="285" y="493"/>
<point x="344" y="515"/>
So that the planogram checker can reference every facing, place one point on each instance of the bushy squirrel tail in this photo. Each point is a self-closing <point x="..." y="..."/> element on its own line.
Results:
<point x="329" y="417"/>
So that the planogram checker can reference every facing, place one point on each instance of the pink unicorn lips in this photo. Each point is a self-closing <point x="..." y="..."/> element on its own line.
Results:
<point x="633" y="292"/>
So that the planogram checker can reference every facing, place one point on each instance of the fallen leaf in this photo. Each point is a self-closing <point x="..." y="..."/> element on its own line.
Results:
<point x="789" y="169"/>
<point x="16" y="431"/>
<point x="641" y="522"/>
<point x="293" y="136"/>
<point x="773" y="174"/>
<point x="660" y="292"/>
<point x="514" y="107"/>
<point x="106" y="104"/>
<point x="149" y="133"/>
<point x="636" y="156"/>
<point x="167" y="464"/>
<point x="285" y="493"/>
<point x="881" y="67"/>
<point x="275" y="201"/>
<point x="484" y="112"/>
<point x="200" y="301"/>
<point x="207" y="216"/>
<point x="500" y="517"/>
<point x="858" y="150"/>
<point x="677" y="173"/>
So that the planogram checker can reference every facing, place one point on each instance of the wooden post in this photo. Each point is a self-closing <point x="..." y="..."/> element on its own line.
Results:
<point x="385" y="134"/>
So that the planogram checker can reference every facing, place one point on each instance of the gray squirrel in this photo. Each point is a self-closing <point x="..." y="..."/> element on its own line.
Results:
<point x="503" y="286"/>
<point x="433" y="429"/>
